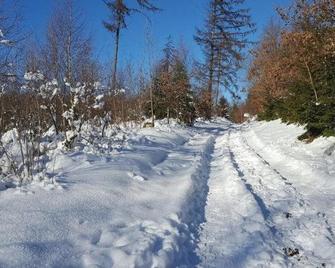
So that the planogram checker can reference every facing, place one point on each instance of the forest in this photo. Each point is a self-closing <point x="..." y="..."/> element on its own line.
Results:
<point x="214" y="152"/>
<point x="59" y="84"/>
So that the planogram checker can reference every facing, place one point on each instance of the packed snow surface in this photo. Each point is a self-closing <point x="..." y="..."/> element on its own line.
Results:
<point x="215" y="195"/>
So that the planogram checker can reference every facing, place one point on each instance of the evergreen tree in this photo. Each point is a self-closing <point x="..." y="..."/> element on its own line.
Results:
<point x="183" y="104"/>
<point x="296" y="74"/>
<point x="172" y="93"/>
<point x="222" y="40"/>
<point x="169" y="55"/>
<point x="162" y="82"/>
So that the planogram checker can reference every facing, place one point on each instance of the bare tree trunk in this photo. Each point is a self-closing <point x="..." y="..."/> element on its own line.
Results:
<point x="211" y="62"/>
<point x="2" y="125"/>
<point x="217" y="93"/>
<point x="123" y="109"/>
<point x="152" y="107"/>
<point x="114" y="71"/>
<point x="68" y="47"/>
<point x="104" y="128"/>
<point x="116" y="55"/>
<point x="168" y="115"/>
<point x="22" y="155"/>
<point x="211" y="72"/>
<point x="150" y="48"/>
<point x="53" y="120"/>
<point x="210" y="83"/>
<point x="311" y="80"/>
<point x="68" y="59"/>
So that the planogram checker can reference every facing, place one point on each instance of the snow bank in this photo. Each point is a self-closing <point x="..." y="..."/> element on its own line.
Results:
<point x="278" y="143"/>
<point x="270" y="200"/>
<point x="133" y="202"/>
<point x="309" y="167"/>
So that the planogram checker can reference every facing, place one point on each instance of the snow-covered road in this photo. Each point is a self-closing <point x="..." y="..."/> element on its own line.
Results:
<point x="216" y="195"/>
<point x="256" y="217"/>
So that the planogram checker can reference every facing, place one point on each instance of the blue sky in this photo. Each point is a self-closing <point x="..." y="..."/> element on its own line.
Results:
<point x="179" y="19"/>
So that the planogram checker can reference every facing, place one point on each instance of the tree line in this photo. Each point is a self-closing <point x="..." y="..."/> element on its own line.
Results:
<point x="59" y="85"/>
<point x="292" y="73"/>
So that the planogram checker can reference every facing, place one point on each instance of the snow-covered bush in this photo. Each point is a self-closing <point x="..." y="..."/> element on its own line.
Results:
<point x="86" y="100"/>
<point x="29" y="114"/>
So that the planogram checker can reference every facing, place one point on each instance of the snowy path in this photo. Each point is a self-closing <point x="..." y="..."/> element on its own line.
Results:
<point x="256" y="217"/>
<point x="216" y="195"/>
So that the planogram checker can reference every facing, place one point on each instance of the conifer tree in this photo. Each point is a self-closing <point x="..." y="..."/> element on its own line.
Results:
<point x="183" y="100"/>
<point x="293" y="71"/>
<point x="310" y="43"/>
<point x="172" y="93"/>
<point x="223" y="39"/>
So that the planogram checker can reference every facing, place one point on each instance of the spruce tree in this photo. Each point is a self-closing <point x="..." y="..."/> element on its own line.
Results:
<point x="172" y="92"/>
<point x="183" y="103"/>
<point x="162" y="82"/>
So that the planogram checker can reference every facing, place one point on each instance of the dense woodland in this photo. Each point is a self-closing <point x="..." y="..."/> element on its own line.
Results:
<point x="59" y="84"/>
<point x="292" y="73"/>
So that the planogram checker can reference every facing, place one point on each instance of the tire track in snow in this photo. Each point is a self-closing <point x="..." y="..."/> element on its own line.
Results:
<point x="302" y="231"/>
<point x="277" y="236"/>
<point x="237" y="231"/>
<point x="302" y="201"/>
<point x="263" y="207"/>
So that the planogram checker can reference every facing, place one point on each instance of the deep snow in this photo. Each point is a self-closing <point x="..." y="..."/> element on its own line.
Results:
<point x="216" y="195"/>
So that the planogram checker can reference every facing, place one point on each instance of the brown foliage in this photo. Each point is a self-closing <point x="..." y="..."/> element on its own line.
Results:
<point x="294" y="54"/>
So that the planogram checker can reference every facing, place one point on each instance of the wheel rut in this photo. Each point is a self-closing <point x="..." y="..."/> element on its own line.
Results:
<point x="294" y="219"/>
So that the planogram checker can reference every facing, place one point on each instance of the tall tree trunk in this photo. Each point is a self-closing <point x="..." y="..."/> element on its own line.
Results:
<point x="68" y="49"/>
<point x="210" y="82"/>
<point x="218" y="82"/>
<point x="152" y="106"/>
<point x="168" y="115"/>
<point x="211" y="60"/>
<point x="116" y="54"/>
<point x="211" y="71"/>
<point x="69" y="59"/>
<point x="311" y="80"/>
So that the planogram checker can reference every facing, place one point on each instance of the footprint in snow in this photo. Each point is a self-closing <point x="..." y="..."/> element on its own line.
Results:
<point x="81" y="221"/>
<point x="95" y="237"/>
<point x="136" y="176"/>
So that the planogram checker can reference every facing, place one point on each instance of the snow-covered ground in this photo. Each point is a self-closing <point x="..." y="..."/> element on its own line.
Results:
<point x="216" y="195"/>
<point x="270" y="201"/>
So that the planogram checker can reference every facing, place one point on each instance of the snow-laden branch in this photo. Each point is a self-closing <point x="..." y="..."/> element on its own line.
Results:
<point x="4" y="41"/>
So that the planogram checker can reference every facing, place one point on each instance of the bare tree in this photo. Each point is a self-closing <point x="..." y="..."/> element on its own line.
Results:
<point x="10" y="36"/>
<point x="119" y="11"/>
<point x="68" y="51"/>
<point x="67" y="55"/>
